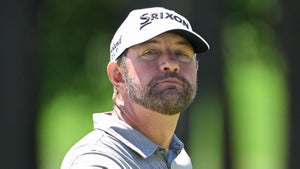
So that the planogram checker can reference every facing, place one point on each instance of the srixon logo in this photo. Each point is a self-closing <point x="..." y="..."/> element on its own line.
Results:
<point x="149" y="18"/>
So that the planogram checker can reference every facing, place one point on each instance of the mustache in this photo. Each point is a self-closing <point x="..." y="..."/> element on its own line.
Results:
<point x="159" y="78"/>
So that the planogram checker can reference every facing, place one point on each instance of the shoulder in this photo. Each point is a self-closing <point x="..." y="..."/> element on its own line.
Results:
<point x="95" y="160"/>
<point x="92" y="153"/>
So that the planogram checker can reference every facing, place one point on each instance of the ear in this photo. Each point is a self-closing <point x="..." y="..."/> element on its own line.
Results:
<point x="115" y="74"/>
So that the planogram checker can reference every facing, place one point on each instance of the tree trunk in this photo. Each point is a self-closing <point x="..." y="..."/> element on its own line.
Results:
<point x="19" y="86"/>
<point x="289" y="34"/>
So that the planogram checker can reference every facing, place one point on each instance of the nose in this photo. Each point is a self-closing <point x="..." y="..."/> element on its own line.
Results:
<point x="169" y="63"/>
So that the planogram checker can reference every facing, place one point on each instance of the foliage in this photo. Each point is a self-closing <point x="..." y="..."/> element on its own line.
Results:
<point x="74" y="47"/>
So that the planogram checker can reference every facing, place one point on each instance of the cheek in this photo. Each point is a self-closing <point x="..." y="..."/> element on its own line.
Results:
<point x="138" y="77"/>
<point x="144" y="73"/>
<point x="193" y="80"/>
<point x="190" y="74"/>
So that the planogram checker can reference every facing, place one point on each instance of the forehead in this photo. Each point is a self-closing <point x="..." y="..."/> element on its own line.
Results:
<point x="169" y="38"/>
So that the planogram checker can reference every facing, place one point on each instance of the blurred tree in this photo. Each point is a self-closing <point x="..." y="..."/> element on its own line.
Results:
<point x="74" y="47"/>
<point x="289" y="35"/>
<point x="19" y="86"/>
<point x="206" y="141"/>
<point x="75" y="51"/>
<point x="256" y="88"/>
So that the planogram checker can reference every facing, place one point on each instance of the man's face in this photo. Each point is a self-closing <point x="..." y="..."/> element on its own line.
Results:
<point x="161" y="74"/>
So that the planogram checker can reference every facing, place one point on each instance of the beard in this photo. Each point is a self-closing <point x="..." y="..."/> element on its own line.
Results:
<point x="168" y="101"/>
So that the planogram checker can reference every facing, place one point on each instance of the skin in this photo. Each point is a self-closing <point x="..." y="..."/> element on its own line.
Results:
<point x="160" y="55"/>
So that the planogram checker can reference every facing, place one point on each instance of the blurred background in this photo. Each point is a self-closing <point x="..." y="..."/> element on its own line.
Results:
<point x="53" y="78"/>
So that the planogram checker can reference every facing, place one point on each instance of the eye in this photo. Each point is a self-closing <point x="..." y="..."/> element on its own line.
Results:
<point x="184" y="57"/>
<point x="151" y="54"/>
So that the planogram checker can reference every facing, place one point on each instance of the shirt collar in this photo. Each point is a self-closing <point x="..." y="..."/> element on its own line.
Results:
<point x="131" y="137"/>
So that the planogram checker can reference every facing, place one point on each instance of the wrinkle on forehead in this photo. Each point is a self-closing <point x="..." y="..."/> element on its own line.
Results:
<point x="169" y="38"/>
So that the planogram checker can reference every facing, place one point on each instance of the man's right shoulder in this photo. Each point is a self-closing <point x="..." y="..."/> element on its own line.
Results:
<point x="94" y="151"/>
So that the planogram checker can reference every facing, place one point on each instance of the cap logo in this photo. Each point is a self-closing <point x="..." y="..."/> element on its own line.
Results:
<point x="115" y="45"/>
<point x="149" y="18"/>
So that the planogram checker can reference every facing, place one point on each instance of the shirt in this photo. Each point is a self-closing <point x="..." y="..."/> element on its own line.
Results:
<point x="113" y="144"/>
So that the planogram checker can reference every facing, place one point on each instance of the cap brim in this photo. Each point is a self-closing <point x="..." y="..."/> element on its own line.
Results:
<point x="198" y="43"/>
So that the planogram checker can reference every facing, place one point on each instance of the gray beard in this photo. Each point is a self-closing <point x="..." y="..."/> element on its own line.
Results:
<point x="169" y="101"/>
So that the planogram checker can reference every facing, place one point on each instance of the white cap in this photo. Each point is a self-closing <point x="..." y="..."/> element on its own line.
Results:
<point x="144" y="24"/>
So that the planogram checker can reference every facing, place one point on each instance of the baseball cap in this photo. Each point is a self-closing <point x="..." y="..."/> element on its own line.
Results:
<point x="144" y="24"/>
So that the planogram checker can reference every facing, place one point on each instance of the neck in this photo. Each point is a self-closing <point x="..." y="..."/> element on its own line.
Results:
<point x="158" y="127"/>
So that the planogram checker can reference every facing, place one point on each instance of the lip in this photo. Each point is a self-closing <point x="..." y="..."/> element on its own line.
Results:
<point x="170" y="81"/>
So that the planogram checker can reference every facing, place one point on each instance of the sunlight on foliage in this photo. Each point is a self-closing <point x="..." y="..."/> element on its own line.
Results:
<point x="206" y="132"/>
<point x="255" y="80"/>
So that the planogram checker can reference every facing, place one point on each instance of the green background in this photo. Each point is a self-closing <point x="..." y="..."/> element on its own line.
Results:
<point x="74" y="49"/>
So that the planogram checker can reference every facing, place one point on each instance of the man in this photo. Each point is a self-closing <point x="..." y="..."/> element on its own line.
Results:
<point x="153" y="70"/>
